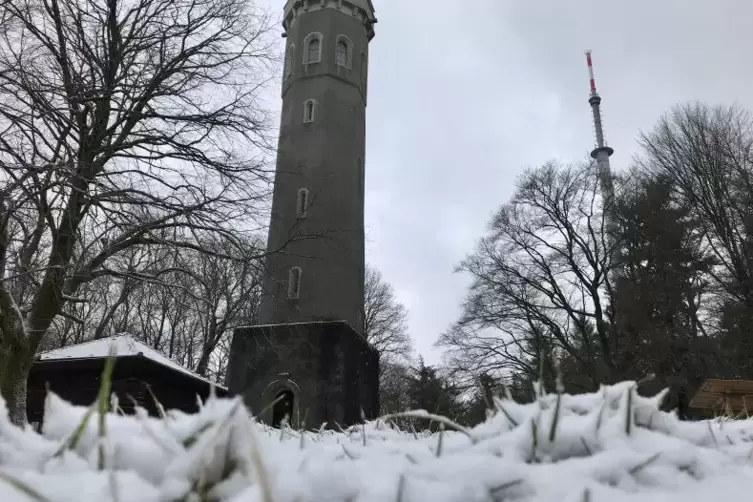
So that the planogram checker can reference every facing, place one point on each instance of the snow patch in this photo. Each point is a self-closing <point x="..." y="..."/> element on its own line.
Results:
<point x="612" y="445"/>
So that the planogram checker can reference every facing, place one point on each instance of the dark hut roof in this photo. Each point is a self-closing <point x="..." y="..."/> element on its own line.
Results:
<point x="124" y="345"/>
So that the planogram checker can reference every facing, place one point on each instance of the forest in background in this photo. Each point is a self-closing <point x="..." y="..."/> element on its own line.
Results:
<point x="666" y="298"/>
<point x="129" y="202"/>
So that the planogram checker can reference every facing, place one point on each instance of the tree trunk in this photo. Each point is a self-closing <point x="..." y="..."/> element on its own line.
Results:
<point x="210" y="343"/>
<point x="206" y="353"/>
<point x="13" y="387"/>
<point x="14" y="392"/>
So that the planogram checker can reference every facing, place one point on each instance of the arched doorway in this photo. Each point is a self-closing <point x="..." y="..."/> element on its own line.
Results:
<point x="283" y="408"/>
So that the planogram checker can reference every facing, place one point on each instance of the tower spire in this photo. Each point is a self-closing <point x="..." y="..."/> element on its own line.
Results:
<point x="595" y="101"/>
<point x="591" y="73"/>
<point x="601" y="153"/>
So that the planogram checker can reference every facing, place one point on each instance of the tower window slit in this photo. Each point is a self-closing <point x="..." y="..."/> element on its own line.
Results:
<point x="303" y="202"/>
<point x="361" y="179"/>
<point x="309" y="111"/>
<point x="364" y="71"/>
<point x="294" y="283"/>
<point x="289" y="61"/>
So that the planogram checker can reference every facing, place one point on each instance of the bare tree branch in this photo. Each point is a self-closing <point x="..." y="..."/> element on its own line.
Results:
<point x="385" y="319"/>
<point x="126" y="126"/>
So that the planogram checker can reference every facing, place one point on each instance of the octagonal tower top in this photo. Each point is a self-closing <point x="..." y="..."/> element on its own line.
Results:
<point x="360" y="9"/>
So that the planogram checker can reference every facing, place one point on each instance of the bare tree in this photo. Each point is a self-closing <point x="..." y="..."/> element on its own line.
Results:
<point x="540" y="281"/>
<point x="707" y="155"/>
<point x="226" y="296"/>
<point x="394" y="387"/>
<point x="102" y="306"/>
<point x="385" y="319"/>
<point x="123" y="124"/>
<point x="186" y="309"/>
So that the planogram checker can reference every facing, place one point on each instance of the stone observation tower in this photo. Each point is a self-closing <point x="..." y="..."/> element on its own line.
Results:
<point x="308" y="356"/>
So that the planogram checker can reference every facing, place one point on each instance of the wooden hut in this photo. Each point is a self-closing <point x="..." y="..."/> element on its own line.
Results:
<point x="732" y="398"/>
<point x="74" y="373"/>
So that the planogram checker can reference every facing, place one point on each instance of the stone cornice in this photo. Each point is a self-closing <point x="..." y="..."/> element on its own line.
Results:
<point x="359" y="9"/>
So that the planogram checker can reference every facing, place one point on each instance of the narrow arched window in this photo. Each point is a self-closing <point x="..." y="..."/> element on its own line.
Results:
<point x="294" y="283"/>
<point x="341" y="53"/>
<point x="313" y="52"/>
<point x="303" y="203"/>
<point x="309" y="111"/>
<point x="364" y="70"/>
<point x="361" y="179"/>
<point x="289" y="58"/>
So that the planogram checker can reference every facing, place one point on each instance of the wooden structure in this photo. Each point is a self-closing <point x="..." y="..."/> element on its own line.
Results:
<point x="74" y="374"/>
<point x="724" y="397"/>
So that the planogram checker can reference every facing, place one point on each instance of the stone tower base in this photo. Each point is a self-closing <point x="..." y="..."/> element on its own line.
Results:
<point x="321" y="371"/>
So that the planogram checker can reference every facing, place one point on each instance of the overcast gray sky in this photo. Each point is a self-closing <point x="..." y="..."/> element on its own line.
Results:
<point x="463" y="94"/>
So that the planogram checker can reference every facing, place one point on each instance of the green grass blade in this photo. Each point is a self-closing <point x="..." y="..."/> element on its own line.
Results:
<point x="75" y="437"/>
<point x="22" y="487"/>
<point x="103" y="400"/>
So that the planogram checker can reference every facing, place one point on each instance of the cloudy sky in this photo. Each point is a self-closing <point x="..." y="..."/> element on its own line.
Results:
<point x="463" y="94"/>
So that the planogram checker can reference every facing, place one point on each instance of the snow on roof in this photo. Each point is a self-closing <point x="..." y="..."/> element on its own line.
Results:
<point x="124" y="345"/>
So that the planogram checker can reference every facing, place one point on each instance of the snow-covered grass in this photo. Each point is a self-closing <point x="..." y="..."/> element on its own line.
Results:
<point x="612" y="445"/>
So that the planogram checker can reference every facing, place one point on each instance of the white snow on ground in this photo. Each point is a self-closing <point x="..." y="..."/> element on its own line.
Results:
<point x="608" y="446"/>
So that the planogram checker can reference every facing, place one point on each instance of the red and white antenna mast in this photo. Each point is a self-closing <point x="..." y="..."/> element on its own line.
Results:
<point x="601" y="153"/>
<point x="591" y="73"/>
<point x="595" y="101"/>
